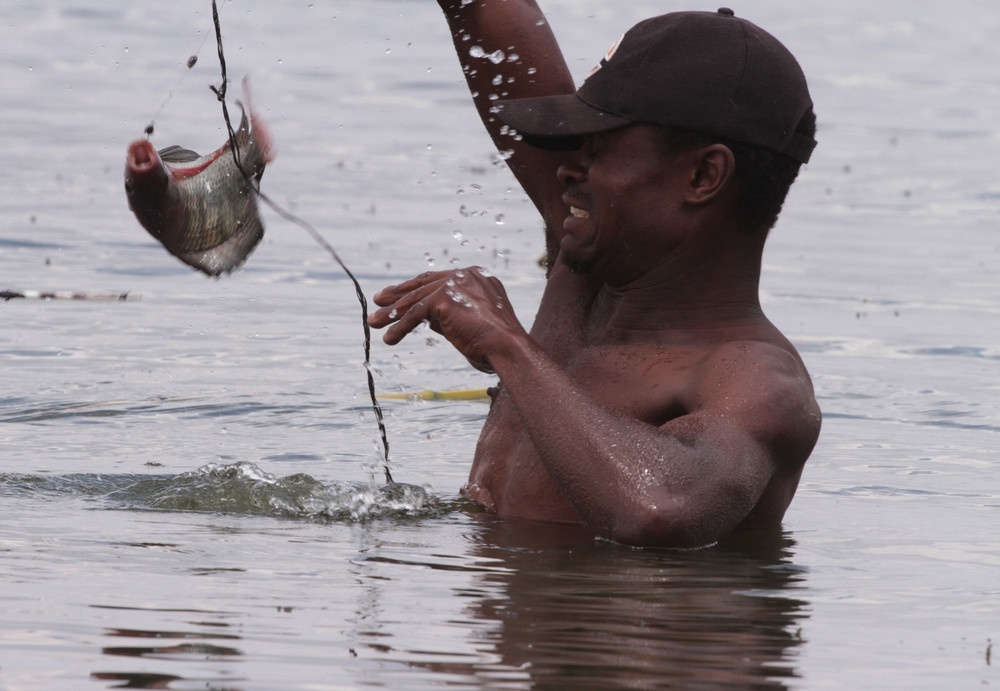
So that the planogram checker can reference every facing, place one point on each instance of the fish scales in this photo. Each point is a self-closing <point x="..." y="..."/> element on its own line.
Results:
<point x="202" y="209"/>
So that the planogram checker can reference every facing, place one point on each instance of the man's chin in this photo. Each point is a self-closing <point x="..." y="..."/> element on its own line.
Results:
<point x="577" y="266"/>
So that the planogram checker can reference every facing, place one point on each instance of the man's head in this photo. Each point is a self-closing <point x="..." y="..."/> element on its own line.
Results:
<point x="710" y="74"/>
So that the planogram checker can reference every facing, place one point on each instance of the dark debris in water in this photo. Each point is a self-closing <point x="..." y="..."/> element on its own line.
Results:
<point x="238" y="488"/>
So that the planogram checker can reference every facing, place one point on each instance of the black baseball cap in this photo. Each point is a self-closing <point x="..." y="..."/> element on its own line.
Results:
<point x="710" y="72"/>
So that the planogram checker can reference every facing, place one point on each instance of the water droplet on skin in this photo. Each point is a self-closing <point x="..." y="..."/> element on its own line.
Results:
<point x="532" y="70"/>
<point x="496" y="57"/>
<point x="393" y="313"/>
<point x="457" y="297"/>
<point x="459" y="274"/>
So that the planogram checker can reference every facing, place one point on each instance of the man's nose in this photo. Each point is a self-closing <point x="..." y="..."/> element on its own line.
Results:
<point x="573" y="170"/>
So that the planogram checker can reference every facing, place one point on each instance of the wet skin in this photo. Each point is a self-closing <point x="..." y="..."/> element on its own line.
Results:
<point x="652" y="400"/>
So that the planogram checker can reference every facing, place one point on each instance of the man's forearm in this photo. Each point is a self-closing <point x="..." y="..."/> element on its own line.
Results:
<point x="507" y="50"/>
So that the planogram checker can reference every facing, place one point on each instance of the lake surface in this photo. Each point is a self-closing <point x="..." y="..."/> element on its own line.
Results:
<point x="190" y="479"/>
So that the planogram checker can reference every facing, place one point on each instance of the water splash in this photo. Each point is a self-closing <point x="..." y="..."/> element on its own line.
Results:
<point x="237" y="488"/>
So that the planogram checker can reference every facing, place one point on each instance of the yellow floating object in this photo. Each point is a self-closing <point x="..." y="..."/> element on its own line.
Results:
<point x="428" y="395"/>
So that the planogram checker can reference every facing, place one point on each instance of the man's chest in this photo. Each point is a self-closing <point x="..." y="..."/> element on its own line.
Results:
<point x="648" y="384"/>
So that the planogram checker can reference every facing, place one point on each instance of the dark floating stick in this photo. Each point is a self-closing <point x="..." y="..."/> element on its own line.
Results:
<point x="6" y="295"/>
<point x="220" y="93"/>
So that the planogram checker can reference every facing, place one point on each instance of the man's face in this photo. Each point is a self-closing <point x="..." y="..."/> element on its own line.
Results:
<point x="623" y="190"/>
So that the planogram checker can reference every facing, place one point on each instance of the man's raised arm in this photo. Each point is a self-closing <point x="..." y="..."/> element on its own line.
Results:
<point x="507" y="50"/>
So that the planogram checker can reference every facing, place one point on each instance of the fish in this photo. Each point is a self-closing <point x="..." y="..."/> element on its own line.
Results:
<point x="202" y="209"/>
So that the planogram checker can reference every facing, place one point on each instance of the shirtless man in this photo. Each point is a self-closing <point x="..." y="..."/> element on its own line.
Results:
<point x="652" y="401"/>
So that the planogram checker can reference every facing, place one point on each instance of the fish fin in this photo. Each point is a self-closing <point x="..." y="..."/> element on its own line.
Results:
<point x="228" y="255"/>
<point x="177" y="154"/>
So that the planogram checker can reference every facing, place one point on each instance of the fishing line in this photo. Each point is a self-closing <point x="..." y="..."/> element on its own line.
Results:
<point x="190" y="62"/>
<point x="220" y="93"/>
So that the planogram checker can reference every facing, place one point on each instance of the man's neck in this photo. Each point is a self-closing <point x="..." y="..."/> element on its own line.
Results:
<point x="689" y="292"/>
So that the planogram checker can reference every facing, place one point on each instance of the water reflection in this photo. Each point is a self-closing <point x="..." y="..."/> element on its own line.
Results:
<point x="574" y="613"/>
<point x="202" y="644"/>
<point x="146" y="680"/>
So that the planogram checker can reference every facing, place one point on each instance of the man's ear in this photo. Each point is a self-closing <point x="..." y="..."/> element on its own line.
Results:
<point x="712" y="170"/>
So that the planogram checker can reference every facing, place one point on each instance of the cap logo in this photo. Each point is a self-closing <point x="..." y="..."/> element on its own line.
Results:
<point x="607" y="57"/>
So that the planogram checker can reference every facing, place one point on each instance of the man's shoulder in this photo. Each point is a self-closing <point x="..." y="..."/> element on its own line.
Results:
<point x="764" y="350"/>
<point x="763" y="384"/>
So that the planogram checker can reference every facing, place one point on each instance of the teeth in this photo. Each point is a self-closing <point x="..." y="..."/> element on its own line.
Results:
<point x="579" y="213"/>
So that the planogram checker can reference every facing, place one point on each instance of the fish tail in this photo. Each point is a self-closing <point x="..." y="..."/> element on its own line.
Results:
<point x="253" y="131"/>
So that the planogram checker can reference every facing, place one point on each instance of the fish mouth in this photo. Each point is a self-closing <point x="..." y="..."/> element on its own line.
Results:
<point x="142" y="156"/>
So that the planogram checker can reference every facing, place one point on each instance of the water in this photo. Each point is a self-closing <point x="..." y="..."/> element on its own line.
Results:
<point x="189" y="481"/>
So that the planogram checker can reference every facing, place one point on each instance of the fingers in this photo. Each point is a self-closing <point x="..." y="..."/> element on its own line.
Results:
<point x="390" y="294"/>
<point x="407" y="305"/>
<point x="467" y="306"/>
<point x="415" y="314"/>
<point x="399" y="303"/>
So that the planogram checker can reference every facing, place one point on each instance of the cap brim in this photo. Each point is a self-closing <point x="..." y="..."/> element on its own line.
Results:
<point x="556" y="122"/>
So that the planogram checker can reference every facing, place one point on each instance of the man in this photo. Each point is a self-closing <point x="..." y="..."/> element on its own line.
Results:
<point x="652" y="400"/>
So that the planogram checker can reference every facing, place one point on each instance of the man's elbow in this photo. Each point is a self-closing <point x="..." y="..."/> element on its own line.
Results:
<point x="651" y="527"/>
<point x="680" y="523"/>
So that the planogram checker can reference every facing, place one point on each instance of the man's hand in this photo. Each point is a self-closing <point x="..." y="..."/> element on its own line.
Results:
<point x="467" y="306"/>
